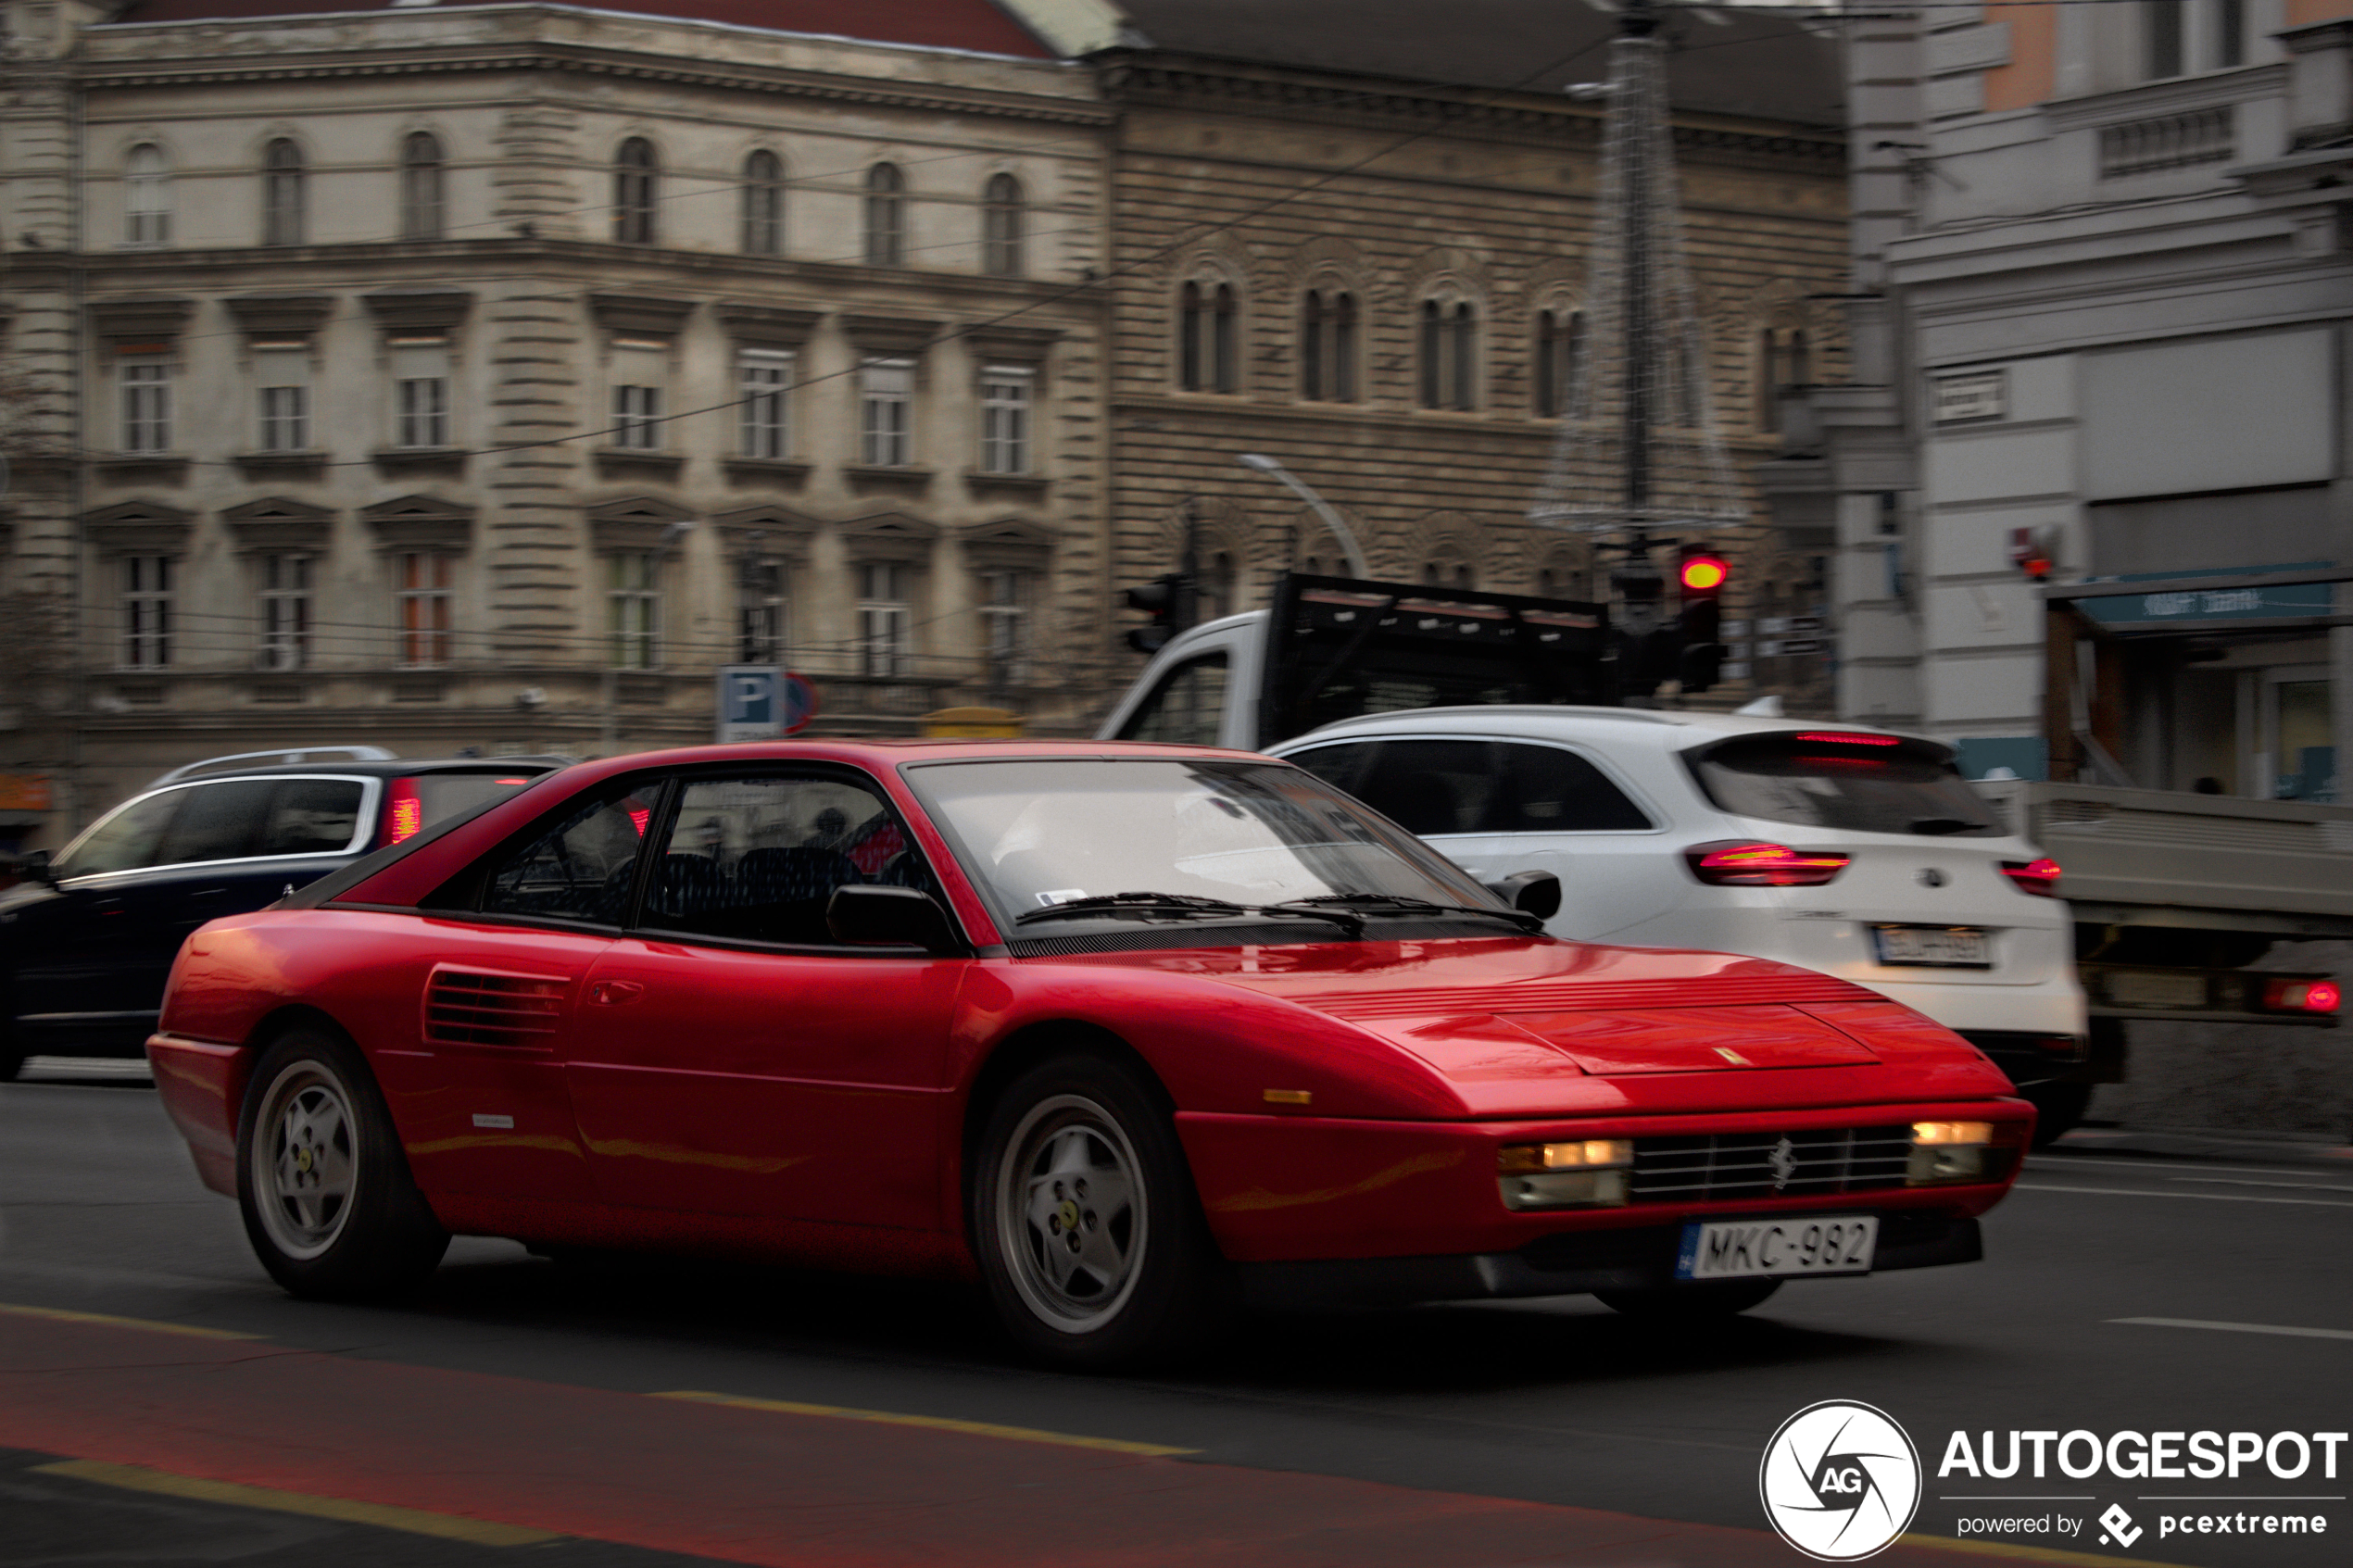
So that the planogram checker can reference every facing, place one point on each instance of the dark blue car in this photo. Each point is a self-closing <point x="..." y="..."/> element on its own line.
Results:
<point x="87" y="939"/>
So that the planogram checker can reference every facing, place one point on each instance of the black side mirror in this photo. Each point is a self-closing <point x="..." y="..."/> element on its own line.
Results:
<point x="34" y="866"/>
<point x="1535" y="893"/>
<point x="861" y="915"/>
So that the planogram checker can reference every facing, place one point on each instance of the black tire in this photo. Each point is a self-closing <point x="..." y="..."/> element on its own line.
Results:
<point x="1690" y="1303"/>
<point x="328" y="1203"/>
<point x="1140" y="1277"/>
<point x="2058" y="1108"/>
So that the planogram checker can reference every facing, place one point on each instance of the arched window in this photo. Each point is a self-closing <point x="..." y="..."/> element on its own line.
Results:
<point x="1003" y="228"/>
<point x="885" y="216"/>
<point x="146" y="197"/>
<point x="1560" y="338"/>
<point x="1206" y="338"/>
<point x="1447" y="574"/>
<point x="421" y="213"/>
<point x="1784" y="364"/>
<point x="636" y="175"/>
<point x="763" y="204"/>
<point x="1450" y="353"/>
<point x="1327" y="346"/>
<point x="281" y="194"/>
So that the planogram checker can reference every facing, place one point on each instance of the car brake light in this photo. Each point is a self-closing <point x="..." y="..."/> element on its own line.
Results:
<point x="1740" y="862"/>
<point x="2033" y="876"/>
<point x="1830" y="737"/>
<point x="2302" y="995"/>
<point x="404" y="814"/>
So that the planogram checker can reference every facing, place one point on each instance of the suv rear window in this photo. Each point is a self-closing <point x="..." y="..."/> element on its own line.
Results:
<point x="1858" y="783"/>
<point x="1441" y="786"/>
<point x="445" y="795"/>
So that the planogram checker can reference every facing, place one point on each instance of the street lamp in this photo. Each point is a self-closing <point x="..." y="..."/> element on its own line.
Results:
<point x="1349" y="548"/>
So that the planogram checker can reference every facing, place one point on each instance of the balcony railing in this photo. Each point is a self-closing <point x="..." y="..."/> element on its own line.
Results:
<point x="2168" y="141"/>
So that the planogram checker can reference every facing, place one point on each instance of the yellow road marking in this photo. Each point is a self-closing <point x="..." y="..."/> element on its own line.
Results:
<point x="2029" y="1554"/>
<point x="936" y="1423"/>
<point x="61" y="1314"/>
<point x="416" y="1522"/>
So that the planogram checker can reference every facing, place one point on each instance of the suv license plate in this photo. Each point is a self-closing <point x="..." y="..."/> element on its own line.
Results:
<point x="1933" y="946"/>
<point x="1814" y="1244"/>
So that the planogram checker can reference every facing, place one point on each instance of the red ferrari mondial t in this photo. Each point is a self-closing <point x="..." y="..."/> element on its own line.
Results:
<point x="1131" y="1033"/>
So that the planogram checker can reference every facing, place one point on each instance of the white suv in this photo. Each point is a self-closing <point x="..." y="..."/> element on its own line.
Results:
<point x="1849" y="850"/>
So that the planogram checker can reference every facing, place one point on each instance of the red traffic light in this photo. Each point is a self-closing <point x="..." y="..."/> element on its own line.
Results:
<point x="2031" y="552"/>
<point x="1704" y="573"/>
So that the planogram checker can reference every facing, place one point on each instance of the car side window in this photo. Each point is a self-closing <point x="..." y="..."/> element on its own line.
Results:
<point x="220" y="822"/>
<point x="1186" y="707"/>
<point x="311" y="817"/>
<point x="1442" y="786"/>
<point x="583" y="868"/>
<point x="756" y="858"/>
<point x="127" y="840"/>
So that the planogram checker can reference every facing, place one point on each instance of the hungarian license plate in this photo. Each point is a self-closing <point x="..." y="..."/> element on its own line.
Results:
<point x="1933" y="946"/>
<point x="1811" y="1244"/>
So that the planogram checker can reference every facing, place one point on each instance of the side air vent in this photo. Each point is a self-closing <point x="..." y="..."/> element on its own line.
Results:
<point x="473" y="1007"/>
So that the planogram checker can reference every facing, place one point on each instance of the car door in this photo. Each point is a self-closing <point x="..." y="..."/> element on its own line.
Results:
<point x="488" y="1006"/>
<point x="1495" y="806"/>
<point x="730" y="1058"/>
<point x="69" y="952"/>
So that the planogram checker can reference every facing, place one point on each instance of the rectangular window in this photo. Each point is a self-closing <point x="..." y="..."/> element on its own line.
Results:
<point x="763" y="382"/>
<point x="2230" y="34"/>
<point x="146" y="611"/>
<point x="1004" y="418"/>
<point x="885" y="624"/>
<point x="640" y="370"/>
<point x="147" y="406"/>
<point x="419" y="391"/>
<point x="424" y="606"/>
<point x="282" y="375"/>
<point x="634" y="609"/>
<point x="1004" y="624"/>
<point x="285" y="613"/>
<point x="885" y="399"/>
<point x="2162" y="37"/>
<point x="760" y="613"/>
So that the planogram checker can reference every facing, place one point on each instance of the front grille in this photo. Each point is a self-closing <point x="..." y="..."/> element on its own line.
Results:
<point x="1719" y="1166"/>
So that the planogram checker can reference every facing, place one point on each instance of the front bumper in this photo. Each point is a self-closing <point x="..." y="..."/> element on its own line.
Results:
<point x="1570" y="1265"/>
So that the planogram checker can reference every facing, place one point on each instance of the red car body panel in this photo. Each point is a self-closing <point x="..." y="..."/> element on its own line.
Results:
<point x="814" y="1105"/>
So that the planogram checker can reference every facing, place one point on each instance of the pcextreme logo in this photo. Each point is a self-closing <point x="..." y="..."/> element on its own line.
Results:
<point x="1840" y="1481"/>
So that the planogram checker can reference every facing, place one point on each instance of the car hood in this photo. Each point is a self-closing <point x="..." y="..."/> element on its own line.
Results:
<point x="1531" y="1028"/>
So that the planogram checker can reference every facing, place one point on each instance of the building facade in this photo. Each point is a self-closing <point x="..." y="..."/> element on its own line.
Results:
<point x="484" y="376"/>
<point x="2103" y="281"/>
<point x="1353" y="237"/>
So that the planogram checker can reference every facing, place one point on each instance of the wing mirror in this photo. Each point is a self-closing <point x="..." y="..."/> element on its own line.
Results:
<point x="860" y="915"/>
<point x="34" y="866"/>
<point x="1535" y="893"/>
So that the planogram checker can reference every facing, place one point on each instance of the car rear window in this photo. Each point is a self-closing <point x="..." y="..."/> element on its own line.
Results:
<point x="1441" y="786"/>
<point x="445" y="795"/>
<point x="1855" y="783"/>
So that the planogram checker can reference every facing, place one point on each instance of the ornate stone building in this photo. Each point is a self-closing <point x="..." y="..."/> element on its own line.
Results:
<point x="483" y="375"/>
<point x="1352" y="235"/>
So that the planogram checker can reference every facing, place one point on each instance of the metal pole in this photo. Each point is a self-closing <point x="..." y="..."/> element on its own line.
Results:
<point x="1349" y="549"/>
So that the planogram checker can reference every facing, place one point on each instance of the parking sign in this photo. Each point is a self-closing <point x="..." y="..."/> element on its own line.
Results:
<point x="762" y="702"/>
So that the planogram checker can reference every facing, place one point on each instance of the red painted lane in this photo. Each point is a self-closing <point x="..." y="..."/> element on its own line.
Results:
<point x="758" y="1487"/>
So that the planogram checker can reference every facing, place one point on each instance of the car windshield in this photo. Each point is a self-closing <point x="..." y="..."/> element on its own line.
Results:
<point x="1040" y="835"/>
<point x="1853" y="782"/>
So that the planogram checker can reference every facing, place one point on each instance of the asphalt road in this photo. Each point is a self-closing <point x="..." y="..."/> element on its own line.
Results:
<point x="848" y="1421"/>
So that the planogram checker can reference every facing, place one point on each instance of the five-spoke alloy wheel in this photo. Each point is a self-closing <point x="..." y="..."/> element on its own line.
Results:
<point x="324" y="1189"/>
<point x="1083" y="1215"/>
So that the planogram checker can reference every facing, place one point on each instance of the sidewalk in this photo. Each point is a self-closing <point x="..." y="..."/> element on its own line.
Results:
<point x="2208" y="1142"/>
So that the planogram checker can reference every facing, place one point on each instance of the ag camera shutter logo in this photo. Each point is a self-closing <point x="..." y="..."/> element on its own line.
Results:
<point x="1840" y="1481"/>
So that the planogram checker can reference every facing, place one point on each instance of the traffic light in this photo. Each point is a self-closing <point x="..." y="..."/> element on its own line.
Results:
<point x="1700" y="575"/>
<point x="2032" y="550"/>
<point x="1168" y="600"/>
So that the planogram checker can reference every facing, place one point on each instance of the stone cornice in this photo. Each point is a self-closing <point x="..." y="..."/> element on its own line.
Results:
<point x="1171" y="82"/>
<point x="100" y="75"/>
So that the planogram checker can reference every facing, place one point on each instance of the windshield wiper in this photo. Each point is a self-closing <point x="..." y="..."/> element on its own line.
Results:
<point x="1186" y="906"/>
<point x="1399" y="904"/>
<point x="1141" y="905"/>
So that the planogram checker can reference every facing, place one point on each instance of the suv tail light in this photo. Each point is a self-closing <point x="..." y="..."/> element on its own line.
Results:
<point x="1743" y="863"/>
<point x="2301" y="995"/>
<point x="404" y="813"/>
<point x="2033" y="876"/>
